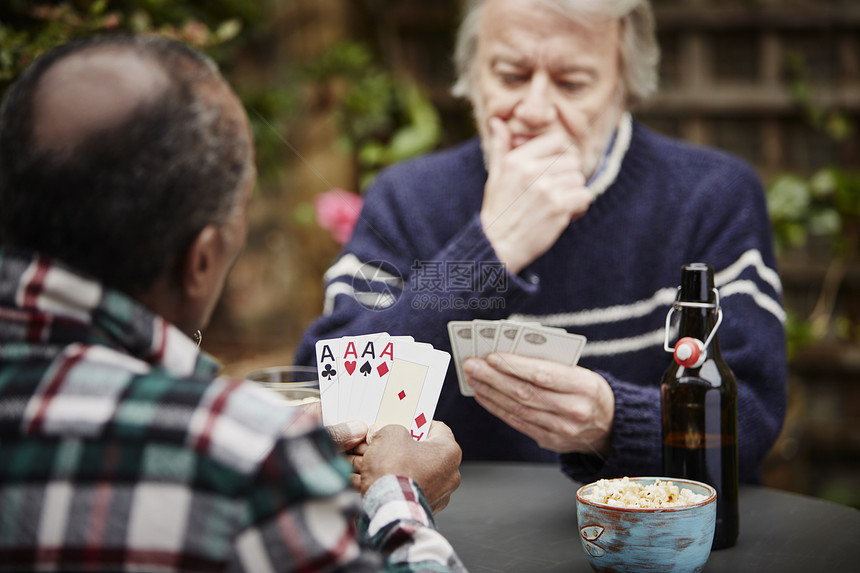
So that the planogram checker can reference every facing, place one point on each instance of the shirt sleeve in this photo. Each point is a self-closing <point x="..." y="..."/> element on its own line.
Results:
<point x="396" y="521"/>
<point x="300" y="514"/>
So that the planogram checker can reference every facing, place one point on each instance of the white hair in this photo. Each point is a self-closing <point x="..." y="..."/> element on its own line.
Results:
<point x="640" y="53"/>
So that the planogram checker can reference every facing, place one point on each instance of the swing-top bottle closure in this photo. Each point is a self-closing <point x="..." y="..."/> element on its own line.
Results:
<point x="691" y="352"/>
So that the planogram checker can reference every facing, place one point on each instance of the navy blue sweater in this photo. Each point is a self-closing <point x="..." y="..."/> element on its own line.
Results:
<point x="611" y="276"/>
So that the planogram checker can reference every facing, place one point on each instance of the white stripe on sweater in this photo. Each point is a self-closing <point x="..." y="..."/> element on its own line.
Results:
<point x="351" y="266"/>
<point x="371" y="300"/>
<point x="613" y="346"/>
<point x="632" y="344"/>
<point x="751" y="258"/>
<point x="665" y="296"/>
<point x="662" y="298"/>
<point x="751" y="289"/>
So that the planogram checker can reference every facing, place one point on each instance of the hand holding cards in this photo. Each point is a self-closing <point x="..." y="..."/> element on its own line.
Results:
<point x="380" y="379"/>
<point x="478" y="338"/>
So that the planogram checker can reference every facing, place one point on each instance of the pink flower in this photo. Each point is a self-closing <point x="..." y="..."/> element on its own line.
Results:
<point x="337" y="212"/>
<point x="111" y="21"/>
<point x="195" y="33"/>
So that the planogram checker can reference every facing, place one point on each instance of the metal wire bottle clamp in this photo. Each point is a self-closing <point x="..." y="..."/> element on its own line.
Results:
<point x="691" y="352"/>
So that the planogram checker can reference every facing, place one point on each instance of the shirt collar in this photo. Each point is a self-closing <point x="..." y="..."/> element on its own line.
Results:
<point x="52" y="305"/>
<point x="610" y="165"/>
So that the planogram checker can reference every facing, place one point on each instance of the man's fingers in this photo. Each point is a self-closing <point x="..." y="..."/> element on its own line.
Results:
<point x="519" y="399"/>
<point x="551" y="147"/>
<point x="563" y="408"/>
<point x="348" y="435"/>
<point x="388" y="434"/>
<point x="440" y="504"/>
<point x="439" y="431"/>
<point x="510" y="392"/>
<point x="356" y="462"/>
<point x="360" y="449"/>
<point x="500" y="143"/>
<point x="543" y="373"/>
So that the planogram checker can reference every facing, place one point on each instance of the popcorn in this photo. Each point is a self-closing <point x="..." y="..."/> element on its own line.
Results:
<point x="624" y="493"/>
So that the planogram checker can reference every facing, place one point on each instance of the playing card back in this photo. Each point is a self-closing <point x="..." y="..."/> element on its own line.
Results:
<point x="552" y="344"/>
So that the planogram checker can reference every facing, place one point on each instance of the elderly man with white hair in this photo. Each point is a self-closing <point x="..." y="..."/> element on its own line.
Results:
<point x="591" y="216"/>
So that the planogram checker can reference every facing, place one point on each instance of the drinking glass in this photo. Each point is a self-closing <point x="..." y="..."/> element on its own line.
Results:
<point x="296" y="384"/>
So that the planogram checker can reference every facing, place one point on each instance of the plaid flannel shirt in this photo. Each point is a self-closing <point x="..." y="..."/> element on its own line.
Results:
<point x="120" y="449"/>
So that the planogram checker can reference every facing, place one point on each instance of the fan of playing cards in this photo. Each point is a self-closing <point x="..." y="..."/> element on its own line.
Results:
<point x="478" y="338"/>
<point x="380" y="379"/>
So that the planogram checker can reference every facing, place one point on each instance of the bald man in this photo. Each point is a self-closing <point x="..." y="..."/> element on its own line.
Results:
<point x="126" y="166"/>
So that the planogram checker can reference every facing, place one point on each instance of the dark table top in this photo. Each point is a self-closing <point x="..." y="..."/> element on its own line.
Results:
<point x="522" y="518"/>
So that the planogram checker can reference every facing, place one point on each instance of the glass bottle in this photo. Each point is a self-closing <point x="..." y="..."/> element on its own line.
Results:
<point x="699" y="401"/>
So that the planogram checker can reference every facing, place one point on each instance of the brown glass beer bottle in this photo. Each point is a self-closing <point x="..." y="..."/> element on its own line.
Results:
<point x="699" y="400"/>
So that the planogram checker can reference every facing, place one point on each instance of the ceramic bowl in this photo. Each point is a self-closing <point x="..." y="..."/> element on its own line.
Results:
<point x="676" y="539"/>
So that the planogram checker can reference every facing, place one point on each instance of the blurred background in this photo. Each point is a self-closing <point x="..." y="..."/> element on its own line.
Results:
<point x="338" y="89"/>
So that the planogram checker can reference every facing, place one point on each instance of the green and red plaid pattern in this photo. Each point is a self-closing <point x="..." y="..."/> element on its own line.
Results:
<point x="120" y="449"/>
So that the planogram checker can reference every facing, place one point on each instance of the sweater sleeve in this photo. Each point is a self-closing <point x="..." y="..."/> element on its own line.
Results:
<point x="729" y="229"/>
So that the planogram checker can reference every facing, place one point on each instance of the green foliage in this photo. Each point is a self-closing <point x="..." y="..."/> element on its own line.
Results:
<point x="840" y="490"/>
<point x="269" y="108"/>
<point x="822" y="209"/>
<point x="832" y="122"/>
<point x="28" y="29"/>
<point x="818" y="206"/>
<point x="219" y="28"/>
<point x="384" y="120"/>
<point x="798" y="332"/>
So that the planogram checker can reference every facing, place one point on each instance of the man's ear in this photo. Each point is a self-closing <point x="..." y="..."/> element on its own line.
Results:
<point x="185" y="295"/>
<point x="199" y="273"/>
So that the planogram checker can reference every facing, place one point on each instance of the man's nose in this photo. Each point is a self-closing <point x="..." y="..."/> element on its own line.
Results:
<point x="537" y="108"/>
